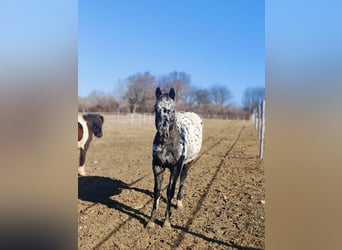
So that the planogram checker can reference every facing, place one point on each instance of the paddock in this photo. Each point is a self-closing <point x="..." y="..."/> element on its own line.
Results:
<point x="224" y="194"/>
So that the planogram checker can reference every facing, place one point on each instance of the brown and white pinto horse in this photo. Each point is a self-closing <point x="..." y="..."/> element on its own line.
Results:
<point x="87" y="126"/>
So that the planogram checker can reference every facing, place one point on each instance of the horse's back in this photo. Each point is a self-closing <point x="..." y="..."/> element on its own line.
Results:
<point x="192" y="125"/>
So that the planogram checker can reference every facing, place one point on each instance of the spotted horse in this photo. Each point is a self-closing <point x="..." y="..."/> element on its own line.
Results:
<point x="88" y="125"/>
<point x="176" y="145"/>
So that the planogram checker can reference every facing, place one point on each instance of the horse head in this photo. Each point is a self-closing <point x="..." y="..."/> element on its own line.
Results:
<point x="96" y="122"/>
<point x="165" y="113"/>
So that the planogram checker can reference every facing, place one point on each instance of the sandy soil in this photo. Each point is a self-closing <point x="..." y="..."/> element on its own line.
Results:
<point x="224" y="194"/>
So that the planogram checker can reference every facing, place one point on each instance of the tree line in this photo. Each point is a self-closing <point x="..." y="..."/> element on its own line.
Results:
<point x="139" y="97"/>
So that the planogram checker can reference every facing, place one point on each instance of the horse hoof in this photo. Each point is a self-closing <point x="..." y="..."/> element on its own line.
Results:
<point x="167" y="224"/>
<point x="179" y="204"/>
<point x="81" y="171"/>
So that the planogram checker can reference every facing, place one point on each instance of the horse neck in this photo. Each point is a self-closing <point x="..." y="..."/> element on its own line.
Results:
<point x="174" y="131"/>
<point x="90" y="128"/>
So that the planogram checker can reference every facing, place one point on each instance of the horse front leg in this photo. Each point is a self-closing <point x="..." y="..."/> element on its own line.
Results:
<point x="158" y="173"/>
<point x="175" y="171"/>
<point x="81" y="170"/>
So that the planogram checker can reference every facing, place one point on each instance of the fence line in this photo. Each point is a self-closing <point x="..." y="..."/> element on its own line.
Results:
<point x="141" y="118"/>
<point x="126" y="118"/>
<point x="226" y="117"/>
<point x="132" y="118"/>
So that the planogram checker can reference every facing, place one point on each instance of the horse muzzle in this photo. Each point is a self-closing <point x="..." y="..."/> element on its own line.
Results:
<point x="98" y="135"/>
<point x="164" y="136"/>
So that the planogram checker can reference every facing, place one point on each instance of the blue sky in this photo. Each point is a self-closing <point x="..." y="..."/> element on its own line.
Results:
<point x="216" y="42"/>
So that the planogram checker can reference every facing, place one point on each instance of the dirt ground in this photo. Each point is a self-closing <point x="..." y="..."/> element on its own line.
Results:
<point x="224" y="193"/>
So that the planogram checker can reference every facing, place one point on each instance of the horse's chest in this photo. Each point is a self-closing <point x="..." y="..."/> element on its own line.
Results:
<point x="166" y="155"/>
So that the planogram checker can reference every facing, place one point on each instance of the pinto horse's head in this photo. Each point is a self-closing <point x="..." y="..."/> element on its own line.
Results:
<point x="165" y="113"/>
<point x="96" y="122"/>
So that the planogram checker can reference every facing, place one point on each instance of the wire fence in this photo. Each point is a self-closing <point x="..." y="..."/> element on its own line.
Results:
<point x="130" y="118"/>
<point x="226" y="116"/>
<point x="143" y="118"/>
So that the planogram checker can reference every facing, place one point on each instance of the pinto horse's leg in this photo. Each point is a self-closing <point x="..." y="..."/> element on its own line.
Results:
<point x="81" y="170"/>
<point x="83" y="152"/>
<point x="175" y="171"/>
<point x="158" y="180"/>
<point x="183" y="175"/>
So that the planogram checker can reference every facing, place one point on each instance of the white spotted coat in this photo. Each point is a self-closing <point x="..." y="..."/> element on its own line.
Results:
<point x="85" y="136"/>
<point x="190" y="127"/>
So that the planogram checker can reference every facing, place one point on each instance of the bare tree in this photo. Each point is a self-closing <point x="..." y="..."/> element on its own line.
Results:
<point x="220" y="94"/>
<point x="140" y="92"/>
<point x="179" y="81"/>
<point x="253" y="97"/>
<point x="123" y="106"/>
<point x="202" y="98"/>
<point x="190" y="97"/>
<point x="83" y="105"/>
<point x="111" y="103"/>
<point x="97" y="101"/>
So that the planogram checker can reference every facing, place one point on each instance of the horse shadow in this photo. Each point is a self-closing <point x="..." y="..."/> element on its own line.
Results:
<point x="98" y="189"/>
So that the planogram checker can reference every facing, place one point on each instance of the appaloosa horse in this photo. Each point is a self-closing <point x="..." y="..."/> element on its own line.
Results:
<point x="87" y="126"/>
<point x="176" y="145"/>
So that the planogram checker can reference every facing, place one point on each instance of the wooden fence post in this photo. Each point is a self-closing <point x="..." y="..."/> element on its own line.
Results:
<point x="255" y="118"/>
<point x="262" y="130"/>
<point x="259" y="119"/>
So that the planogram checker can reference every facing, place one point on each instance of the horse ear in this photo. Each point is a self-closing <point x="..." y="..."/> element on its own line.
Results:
<point x="172" y="93"/>
<point x="158" y="92"/>
<point x="102" y="119"/>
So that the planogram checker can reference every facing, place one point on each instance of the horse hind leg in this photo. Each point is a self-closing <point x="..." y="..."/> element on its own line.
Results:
<point x="183" y="176"/>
